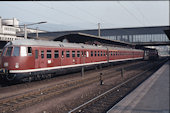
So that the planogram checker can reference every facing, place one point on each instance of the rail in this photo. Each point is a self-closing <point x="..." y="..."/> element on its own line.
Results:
<point x="79" y="108"/>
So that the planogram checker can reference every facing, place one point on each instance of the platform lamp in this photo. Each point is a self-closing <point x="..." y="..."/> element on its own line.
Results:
<point x="25" y="27"/>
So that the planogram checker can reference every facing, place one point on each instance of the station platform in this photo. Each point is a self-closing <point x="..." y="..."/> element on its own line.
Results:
<point x="152" y="96"/>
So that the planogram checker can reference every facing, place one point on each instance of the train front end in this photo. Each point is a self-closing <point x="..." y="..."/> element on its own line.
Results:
<point x="3" y="71"/>
<point x="7" y="62"/>
<point x="13" y="61"/>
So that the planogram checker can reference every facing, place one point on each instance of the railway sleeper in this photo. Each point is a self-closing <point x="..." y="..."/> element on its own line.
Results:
<point x="108" y="102"/>
<point x="20" y="100"/>
<point x="96" y="109"/>
<point x="85" y="111"/>
<point x="100" y="105"/>
<point x="13" y="102"/>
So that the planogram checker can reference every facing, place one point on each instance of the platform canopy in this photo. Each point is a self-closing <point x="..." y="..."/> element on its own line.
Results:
<point x="90" y="39"/>
<point x="167" y="32"/>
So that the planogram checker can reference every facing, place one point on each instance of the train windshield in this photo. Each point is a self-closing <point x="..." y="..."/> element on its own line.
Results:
<point x="16" y="51"/>
<point x="9" y="51"/>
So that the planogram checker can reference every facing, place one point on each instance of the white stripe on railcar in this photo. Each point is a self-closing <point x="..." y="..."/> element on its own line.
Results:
<point x="68" y="66"/>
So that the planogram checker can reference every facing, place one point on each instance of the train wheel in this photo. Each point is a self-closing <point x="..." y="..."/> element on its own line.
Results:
<point x="10" y="77"/>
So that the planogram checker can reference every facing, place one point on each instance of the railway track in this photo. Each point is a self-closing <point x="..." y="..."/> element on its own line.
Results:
<point x="19" y="101"/>
<point x="106" y="100"/>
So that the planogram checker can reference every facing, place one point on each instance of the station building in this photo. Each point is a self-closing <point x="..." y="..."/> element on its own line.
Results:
<point x="9" y="30"/>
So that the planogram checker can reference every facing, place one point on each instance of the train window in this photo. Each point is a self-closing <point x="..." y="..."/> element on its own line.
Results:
<point x="104" y="53"/>
<point x="87" y="54"/>
<point x="23" y="51"/>
<point x="48" y="53"/>
<point x="29" y="51"/>
<point x="95" y="53"/>
<point x="82" y="53"/>
<point x="16" y="51"/>
<point x="101" y="53"/>
<point x="91" y="53"/>
<point x="56" y="54"/>
<point x="36" y="54"/>
<point x="98" y="53"/>
<point x="111" y="53"/>
<point x="62" y="53"/>
<point x="73" y="54"/>
<point x="67" y="53"/>
<point x="42" y="54"/>
<point x="9" y="51"/>
<point x="78" y="53"/>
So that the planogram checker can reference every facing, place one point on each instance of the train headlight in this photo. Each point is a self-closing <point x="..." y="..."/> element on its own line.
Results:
<point x="17" y="65"/>
<point x="5" y="64"/>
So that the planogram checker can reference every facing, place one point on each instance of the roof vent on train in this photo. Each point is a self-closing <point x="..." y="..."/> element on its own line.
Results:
<point x="61" y="45"/>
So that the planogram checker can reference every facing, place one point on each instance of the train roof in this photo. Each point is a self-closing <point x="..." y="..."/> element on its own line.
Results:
<point x="32" y="42"/>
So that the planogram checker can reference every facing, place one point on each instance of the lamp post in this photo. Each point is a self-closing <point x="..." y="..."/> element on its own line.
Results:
<point x="25" y="28"/>
<point x="37" y="32"/>
<point x="25" y="31"/>
<point x="99" y="29"/>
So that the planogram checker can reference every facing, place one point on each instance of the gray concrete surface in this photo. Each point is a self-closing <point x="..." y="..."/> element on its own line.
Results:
<point x="152" y="96"/>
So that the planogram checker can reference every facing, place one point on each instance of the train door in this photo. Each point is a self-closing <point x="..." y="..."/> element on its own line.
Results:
<point x="87" y="57"/>
<point x="78" y="59"/>
<point x="82" y="57"/>
<point x="37" y="58"/>
<point x="108" y="55"/>
<point x="62" y="57"/>
<point x="74" y="59"/>
<point x="42" y="61"/>
<point x="57" y="57"/>
<point x="66" y="57"/>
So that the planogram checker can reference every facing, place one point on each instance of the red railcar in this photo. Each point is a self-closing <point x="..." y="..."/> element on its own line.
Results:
<point x="36" y="59"/>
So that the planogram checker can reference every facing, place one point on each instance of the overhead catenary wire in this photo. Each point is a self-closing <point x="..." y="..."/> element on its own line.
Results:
<point x="130" y="13"/>
<point x="95" y="16"/>
<point x="147" y="20"/>
<point x="44" y="17"/>
<point x="65" y="13"/>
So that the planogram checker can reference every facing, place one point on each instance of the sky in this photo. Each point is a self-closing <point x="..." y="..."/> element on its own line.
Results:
<point x="87" y="14"/>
